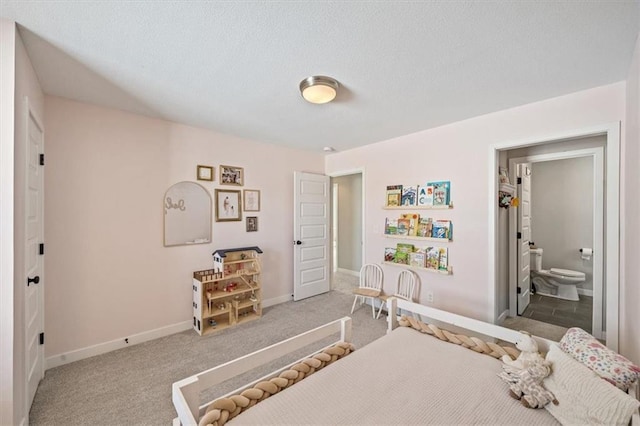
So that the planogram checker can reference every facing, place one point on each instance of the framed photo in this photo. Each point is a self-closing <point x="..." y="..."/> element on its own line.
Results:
<point x="231" y="175"/>
<point x="205" y="173"/>
<point x="228" y="205"/>
<point x="252" y="223"/>
<point x="251" y="200"/>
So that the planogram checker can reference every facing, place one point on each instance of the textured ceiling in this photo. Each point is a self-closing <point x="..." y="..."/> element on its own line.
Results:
<point x="234" y="67"/>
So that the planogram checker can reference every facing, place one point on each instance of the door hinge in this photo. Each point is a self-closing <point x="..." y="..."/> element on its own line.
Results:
<point x="41" y="249"/>
<point x="42" y="338"/>
<point x="519" y="181"/>
<point x="519" y="235"/>
<point x="519" y="290"/>
<point x="42" y="159"/>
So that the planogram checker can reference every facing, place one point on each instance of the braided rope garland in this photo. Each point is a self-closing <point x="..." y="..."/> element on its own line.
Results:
<point x="473" y="343"/>
<point x="224" y="409"/>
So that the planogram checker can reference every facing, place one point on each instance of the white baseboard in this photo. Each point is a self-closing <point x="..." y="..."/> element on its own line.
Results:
<point x="349" y="272"/>
<point x="503" y="316"/>
<point x="585" y="292"/>
<point x="102" y="348"/>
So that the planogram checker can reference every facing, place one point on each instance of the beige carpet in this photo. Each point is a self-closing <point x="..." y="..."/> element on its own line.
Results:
<point x="537" y="328"/>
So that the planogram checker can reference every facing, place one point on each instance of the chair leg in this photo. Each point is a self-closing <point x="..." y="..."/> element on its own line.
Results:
<point x="355" y="299"/>
<point x="373" y="307"/>
<point x="380" y="310"/>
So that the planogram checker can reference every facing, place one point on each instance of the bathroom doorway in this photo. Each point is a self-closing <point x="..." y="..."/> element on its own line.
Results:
<point x="566" y="208"/>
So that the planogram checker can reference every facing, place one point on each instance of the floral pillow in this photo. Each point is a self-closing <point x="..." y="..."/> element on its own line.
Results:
<point x="609" y="365"/>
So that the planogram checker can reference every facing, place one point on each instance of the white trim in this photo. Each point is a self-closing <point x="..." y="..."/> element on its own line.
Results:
<point x="276" y="300"/>
<point x="612" y="212"/>
<point x="349" y="272"/>
<point x="102" y="348"/>
<point x="502" y="317"/>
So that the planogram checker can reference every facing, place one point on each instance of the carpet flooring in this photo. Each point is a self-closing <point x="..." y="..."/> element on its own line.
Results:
<point x="132" y="386"/>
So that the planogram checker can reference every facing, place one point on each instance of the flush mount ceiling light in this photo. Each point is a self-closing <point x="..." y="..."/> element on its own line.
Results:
<point x="319" y="89"/>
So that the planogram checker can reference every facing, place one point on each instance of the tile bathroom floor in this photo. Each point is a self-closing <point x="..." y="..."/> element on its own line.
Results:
<point x="565" y="313"/>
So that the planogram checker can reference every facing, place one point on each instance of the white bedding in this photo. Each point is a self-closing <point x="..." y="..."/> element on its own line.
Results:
<point x="438" y="383"/>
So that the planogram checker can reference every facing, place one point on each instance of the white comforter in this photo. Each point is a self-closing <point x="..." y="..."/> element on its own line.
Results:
<point x="402" y="378"/>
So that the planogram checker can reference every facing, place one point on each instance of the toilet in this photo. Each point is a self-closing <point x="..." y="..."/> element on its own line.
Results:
<point x="554" y="282"/>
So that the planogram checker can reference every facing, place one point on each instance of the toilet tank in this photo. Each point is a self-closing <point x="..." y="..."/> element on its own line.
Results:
<point x="536" y="259"/>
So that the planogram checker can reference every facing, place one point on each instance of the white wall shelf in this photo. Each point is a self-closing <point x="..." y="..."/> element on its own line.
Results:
<point x="410" y="237"/>
<point x="449" y="271"/>
<point x="445" y="207"/>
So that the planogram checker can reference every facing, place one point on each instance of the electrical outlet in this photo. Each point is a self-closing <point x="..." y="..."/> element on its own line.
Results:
<point x="430" y="296"/>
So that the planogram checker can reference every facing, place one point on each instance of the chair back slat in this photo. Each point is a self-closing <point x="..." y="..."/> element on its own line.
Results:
<point x="406" y="285"/>
<point x="371" y="276"/>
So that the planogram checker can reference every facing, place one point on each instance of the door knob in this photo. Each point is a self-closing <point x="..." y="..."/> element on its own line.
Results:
<point x="298" y="242"/>
<point x="34" y="280"/>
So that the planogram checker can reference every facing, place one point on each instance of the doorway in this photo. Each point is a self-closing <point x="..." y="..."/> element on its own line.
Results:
<point x="347" y="230"/>
<point x="498" y="236"/>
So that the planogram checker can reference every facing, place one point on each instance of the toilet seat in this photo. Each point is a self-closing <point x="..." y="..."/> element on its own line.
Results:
<point x="567" y="273"/>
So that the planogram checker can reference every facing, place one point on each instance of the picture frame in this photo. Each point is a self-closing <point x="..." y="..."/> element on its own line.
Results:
<point x="251" y="200"/>
<point x="204" y="173"/>
<point x="252" y="223"/>
<point x="228" y="205"/>
<point x="231" y="175"/>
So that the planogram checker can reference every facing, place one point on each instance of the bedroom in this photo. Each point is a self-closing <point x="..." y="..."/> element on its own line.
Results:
<point x="107" y="170"/>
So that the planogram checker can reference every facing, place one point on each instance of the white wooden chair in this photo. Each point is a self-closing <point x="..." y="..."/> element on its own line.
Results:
<point x="370" y="286"/>
<point x="405" y="289"/>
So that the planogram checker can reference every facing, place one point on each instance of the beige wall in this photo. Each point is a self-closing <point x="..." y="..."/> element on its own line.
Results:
<point x="349" y="221"/>
<point x="108" y="274"/>
<point x="630" y="217"/>
<point x="460" y="153"/>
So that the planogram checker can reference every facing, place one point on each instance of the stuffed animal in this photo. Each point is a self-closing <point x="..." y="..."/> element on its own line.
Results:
<point x="528" y="353"/>
<point x="526" y="385"/>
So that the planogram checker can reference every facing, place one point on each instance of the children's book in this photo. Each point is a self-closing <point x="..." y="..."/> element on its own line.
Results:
<point x="391" y="226"/>
<point x="425" y="195"/>
<point x="394" y="195"/>
<point x="443" y="264"/>
<point x="417" y="258"/>
<point x="425" y="226"/>
<point x="413" y="219"/>
<point x="441" y="193"/>
<point x="390" y="254"/>
<point x="442" y="229"/>
<point x="402" y="253"/>
<point x="409" y="193"/>
<point x="433" y="258"/>
<point x="403" y="226"/>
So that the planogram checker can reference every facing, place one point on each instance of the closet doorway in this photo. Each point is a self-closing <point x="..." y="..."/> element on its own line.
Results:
<point x="347" y="230"/>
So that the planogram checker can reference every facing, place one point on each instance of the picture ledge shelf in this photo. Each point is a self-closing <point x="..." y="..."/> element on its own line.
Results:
<point x="433" y="271"/>
<point x="445" y="207"/>
<point x="411" y="237"/>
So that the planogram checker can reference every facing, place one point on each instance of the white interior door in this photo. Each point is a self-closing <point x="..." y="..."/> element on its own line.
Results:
<point x="34" y="268"/>
<point x="311" y="218"/>
<point x="524" y="234"/>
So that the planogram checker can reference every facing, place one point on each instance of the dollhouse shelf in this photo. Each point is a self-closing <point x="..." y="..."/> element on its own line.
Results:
<point x="418" y="268"/>
<point x="445" y="207"/>
<point x="410" y="237"/>
<point x="230" y="293"/>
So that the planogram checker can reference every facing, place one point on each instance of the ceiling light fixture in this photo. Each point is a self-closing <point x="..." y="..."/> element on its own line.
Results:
<point x="319" y="89"/>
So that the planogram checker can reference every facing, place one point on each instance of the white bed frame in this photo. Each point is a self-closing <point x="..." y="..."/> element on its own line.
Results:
<point x="186" y="392"/>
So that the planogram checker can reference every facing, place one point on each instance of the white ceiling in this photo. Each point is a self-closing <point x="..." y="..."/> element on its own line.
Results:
<point x="234" y="67"/>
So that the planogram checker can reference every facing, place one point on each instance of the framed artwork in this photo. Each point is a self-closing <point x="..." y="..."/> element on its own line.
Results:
<point x="252" y="223"/>
<point x="205" y="173"/>
<point x="251" y="200"/>
<point x="231" y="175"/>
<point x="228" y="205"/>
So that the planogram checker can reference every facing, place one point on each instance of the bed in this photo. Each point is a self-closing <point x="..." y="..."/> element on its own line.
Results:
<point x="404" y="377"/>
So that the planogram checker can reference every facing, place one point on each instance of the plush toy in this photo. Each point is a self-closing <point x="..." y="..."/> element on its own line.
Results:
<point x="528" y="353"/>
<point x="526" y="385"/>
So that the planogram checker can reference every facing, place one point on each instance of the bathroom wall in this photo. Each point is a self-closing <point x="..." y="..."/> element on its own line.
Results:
<point x="562" y="213"/>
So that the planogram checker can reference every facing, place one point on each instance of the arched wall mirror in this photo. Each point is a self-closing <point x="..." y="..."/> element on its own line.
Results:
<point x="187" y="215"/>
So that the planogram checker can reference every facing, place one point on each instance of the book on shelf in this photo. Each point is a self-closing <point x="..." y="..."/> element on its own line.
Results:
<point x="402" y="252"/>
<point x="425" y="195"/>
<point x="425" y="227"/>
<point x="394" y="195"/>
<point x="433" y="258"/>
<point x="442" y="229"/>
<point x="441" y="193"/>
<point x="403" y="226"/>
<point x="443" y="262"/>
<point x="409" y="193"/>
<point x="405" y="247"/>
<point x="417" y="258"/>
<point x="391" y="226"/>
<point x="390" y="254"/>
<point x="413" y="219"/>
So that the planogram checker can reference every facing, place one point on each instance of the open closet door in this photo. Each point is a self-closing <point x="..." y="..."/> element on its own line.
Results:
<point x="524" y="236"/>
<point x="311" y="250"/>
